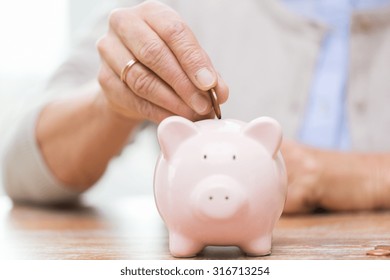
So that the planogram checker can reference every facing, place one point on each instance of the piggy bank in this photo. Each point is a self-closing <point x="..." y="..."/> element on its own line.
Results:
<point x="220" y="183"/>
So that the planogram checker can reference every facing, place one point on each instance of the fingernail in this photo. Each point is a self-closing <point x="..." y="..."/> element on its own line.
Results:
<point x="199" y="103"/>
<point x="205" y="78"/>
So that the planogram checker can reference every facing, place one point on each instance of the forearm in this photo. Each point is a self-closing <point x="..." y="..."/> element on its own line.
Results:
<point x="353" y="181"/>
<point x="78" y="137"/>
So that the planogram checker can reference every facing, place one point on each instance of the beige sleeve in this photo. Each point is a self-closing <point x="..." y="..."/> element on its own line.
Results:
<point x="26" y="176"/>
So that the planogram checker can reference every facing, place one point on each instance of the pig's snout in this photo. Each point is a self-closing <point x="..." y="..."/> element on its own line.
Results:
<point x="219" y="199"/>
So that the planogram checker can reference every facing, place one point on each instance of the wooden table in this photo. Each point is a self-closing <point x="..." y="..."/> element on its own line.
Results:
<point x="130" y="228"/>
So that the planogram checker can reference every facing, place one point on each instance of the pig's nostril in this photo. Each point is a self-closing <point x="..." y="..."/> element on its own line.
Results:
<point x="212" y="197"/>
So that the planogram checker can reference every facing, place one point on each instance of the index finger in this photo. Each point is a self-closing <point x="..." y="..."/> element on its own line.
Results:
<point x="182" y="42"/>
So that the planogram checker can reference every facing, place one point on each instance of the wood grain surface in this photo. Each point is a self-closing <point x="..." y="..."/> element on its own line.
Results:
<point x="130" y="228"/>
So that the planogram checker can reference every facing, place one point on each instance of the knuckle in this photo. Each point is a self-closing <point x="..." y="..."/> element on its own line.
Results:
<point x="192" y="57"/>
<point x="182" y="83"/>
<point x="115" y="17"/>
<point x="152" y="52"/>
<point x="150" y="4"/>
<point x="144" y="108"/>
<point x="102" y="45"/>
<point x="155" y="8"/>
<point x="175" y="31"/>
<point x="144" y="84"/>
<point x="105" y="78"/>
<point x="118" y="18"/>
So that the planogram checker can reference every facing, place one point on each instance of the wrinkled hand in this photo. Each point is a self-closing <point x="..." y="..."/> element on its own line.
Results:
<point x="304" y="175"/>
<point x="335" y="180"/>
<point x="172" y="74"/>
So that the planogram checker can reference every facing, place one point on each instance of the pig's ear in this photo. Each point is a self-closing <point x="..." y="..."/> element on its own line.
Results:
<point x="267" y="131"/>
<point x="172" y="132"/>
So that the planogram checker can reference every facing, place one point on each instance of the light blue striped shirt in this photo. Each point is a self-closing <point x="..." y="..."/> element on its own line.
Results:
<point x="325" y="124"/>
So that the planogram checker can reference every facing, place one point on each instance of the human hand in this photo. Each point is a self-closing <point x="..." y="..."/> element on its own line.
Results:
<point x="334" y="180"/>
<point x="172" y="73"/>
<point x="304" y="175"/>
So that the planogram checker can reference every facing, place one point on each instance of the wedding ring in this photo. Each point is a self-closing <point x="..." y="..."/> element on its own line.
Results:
<point x="126" y="69"/>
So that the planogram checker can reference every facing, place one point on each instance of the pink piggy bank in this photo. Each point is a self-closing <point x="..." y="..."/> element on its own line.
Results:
<point x="221" y="183"/>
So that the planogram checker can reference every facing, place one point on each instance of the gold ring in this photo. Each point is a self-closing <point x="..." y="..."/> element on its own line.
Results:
<point x="126" y="69"/>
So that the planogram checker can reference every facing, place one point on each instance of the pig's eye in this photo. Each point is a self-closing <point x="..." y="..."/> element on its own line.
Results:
<point x="205" y="156"/>
<point x="234" y="157"/>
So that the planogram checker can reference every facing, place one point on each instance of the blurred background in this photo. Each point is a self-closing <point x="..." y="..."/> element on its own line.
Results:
<point x="36" y="36"/>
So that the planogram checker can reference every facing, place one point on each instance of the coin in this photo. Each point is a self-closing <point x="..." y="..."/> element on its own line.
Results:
<point x="378" y="252"/>
<point x="214" y="101"/>
<point x="384" y="247"/>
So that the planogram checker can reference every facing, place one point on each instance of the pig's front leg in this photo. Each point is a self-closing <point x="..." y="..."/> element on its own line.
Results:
<point x="182" y="246"/>
<point x="258" y="247"/>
